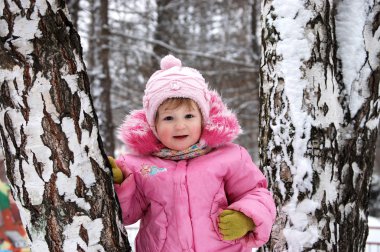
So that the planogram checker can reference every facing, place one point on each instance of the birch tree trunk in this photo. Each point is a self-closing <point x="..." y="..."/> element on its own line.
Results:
<point x="319" y="120"/>
<point x="58" y="172"/>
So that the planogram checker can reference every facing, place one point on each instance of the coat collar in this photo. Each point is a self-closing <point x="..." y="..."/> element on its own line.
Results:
<point x="222" y="127"/>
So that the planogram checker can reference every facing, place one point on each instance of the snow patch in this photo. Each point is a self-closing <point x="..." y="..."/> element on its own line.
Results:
<point x="356" y="173"/>
<point x="351" y="49"/>
<point x="26" y="29"/>
<point x="25" y="4"/>
<point x="93" y="228"/>
<point x="66" y="187"/>
<point x="374" y="229"/>
<point x="39" y="245"/>
<point x="41" y="6"/>
<point x="299" y="240"/>
<point x="33" y="183"/>
<point x="2" y="5"/>
<point x="90" y="140"/>
<point x="78" y="62"/>
<point x="81" y="167"/>
<point x="3" y="27"/>
<point x="9" y="76"/>
<point x="303" y="177"/>
<point x="329" y="98"/>
<point x="72" y="81"/>
<point x="327" y="187"/>
<point x="13" y="8"/>
<point x="34" y="130"/>
<point x="373" y="123"/>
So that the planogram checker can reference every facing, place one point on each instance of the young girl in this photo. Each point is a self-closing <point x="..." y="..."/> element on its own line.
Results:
<point x="191" y="187"/>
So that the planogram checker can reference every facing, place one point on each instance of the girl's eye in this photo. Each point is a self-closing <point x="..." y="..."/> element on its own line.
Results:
<point x="188" y="116"/>
<point x="168" y="118"/>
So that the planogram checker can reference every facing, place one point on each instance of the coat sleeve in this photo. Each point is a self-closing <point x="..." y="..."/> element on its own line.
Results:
<point x="129" y="193"/>
<point x="246" y="189"/>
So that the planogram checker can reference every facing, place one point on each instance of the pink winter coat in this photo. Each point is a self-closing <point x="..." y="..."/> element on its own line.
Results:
<point x="179" y="202"/>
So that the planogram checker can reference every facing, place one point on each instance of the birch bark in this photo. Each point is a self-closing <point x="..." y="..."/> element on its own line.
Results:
<point x="319" y="120"/>
<point x="55" y="163"/>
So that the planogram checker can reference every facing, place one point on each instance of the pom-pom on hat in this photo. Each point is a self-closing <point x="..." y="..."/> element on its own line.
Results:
<point x="175" y="81"/>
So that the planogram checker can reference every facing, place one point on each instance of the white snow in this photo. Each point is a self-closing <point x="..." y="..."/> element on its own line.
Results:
<point x="3" y="27"/>
<point x="351" y="49"/>
<point x="93" y="228"/>
<point x="356" y="173"/>
<point x="42" y="6"/>
<point x="26" y="29"/>
<point x="81" y="167"/>
<point x="2" y="5"/>
<point x="299" y="240"/>
<point x="39" y="245"/>
<point x="329" y="96"/>
<point x="14" y="75"/>
<point x="33" y="182"/>
<point x="12" y="6"/>
<point x="374" y="230"/>
<point x="373" y="236"/>
<point x="293" y="48"/>
<point x="72" y="81"/>
<point x="78" y="62"/>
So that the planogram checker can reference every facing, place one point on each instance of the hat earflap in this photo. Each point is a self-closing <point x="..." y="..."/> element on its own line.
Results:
<point x="222" y="126"/>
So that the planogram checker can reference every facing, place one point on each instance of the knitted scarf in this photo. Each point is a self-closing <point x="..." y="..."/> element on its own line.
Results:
<point x="193" y="151"/>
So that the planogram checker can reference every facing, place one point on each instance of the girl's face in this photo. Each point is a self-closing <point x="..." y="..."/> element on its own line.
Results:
<point x="180" y="127"/>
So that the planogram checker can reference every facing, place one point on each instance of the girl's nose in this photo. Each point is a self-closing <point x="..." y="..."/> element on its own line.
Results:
<point x="180" y="125"/>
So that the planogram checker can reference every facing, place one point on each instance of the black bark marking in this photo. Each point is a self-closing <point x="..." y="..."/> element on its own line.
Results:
<point x="83" y="234"/>
<point x="80" y="189"/>
<point x="54" y="138"/>
<point x="87" y="123"/>
<point x="38" y="165"/>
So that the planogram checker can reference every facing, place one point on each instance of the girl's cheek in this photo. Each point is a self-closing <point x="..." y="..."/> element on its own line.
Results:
<point x="163" y="133"/>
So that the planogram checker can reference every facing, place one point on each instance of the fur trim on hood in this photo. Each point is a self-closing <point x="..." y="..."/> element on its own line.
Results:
<point x="222" y="127"/>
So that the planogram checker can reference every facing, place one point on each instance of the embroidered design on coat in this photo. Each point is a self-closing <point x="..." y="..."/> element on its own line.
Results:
<point x="151" y="170"/>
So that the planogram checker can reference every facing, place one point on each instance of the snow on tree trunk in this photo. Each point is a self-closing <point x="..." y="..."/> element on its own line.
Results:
<point x="319" y="117"/>
<point x="55" y="164"/>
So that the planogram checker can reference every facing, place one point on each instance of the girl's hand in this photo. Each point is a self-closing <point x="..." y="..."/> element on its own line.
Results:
<point x="234" y="224"/>
<point x="116" y="172"/>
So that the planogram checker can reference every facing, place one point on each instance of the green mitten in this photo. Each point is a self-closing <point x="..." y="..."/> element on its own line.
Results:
<point x="234" y="224"/>
<point x="116" y="172"/>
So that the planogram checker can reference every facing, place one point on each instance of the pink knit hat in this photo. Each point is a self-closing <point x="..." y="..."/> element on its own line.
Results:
<point x="171" y="81"/>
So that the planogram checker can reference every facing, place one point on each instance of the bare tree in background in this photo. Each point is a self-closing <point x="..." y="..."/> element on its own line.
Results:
<point x="168" y="28"/>
<point x="58" y="172"/>
<point x="374" y="200"/>
<point x="217" y="39"/>
<point x="74" y="8"/>
<point x="214" y="37"/>
<point x="319" y="120"/>
<point x="100" y="72"/>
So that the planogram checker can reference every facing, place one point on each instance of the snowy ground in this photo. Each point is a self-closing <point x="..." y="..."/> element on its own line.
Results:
<point x="373" y="237"/>
<point x="374" y="234"/>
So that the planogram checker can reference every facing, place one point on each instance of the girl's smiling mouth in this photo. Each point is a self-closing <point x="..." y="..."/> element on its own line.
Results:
<point x="180" y="137"/>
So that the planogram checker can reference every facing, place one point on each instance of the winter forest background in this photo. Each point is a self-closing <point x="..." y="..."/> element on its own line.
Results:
<point x="318" y="134"/>
<point x="222" y="39"/>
